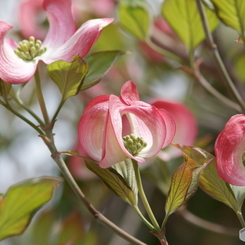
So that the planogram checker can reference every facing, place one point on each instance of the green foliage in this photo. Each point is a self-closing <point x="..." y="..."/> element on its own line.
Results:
<point x="106" y="42"/>
<point x="126" y="170"/>
<point x="73" y="153"/>
<point x="99" y="64"/>
<point x="184" y="184"/>
<point x="20" y="203"/>
<point x="210" y="181"/>
<point x="184" y="18"/>
<point x="135" y="18"/>
<point x="68" y="76"/>
<point x="239" y="193"/>
<point x="180" y="183"/>
<point x="4" y="89"/>
<point x="231" y="13"/>
<point x="239" y="67"/>
<point x="116" y="182"/>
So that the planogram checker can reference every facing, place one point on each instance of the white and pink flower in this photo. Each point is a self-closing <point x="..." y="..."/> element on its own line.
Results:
<point x="110" y="124"/>
<point x="186" y="127"/>
<point x="62" y="42"/>
<point x="229" y="151"/>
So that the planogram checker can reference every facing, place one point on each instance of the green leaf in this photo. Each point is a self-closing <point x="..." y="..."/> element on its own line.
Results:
<point x="21" y="202"/>
<point x="196" y="173"/>
<point x="239" y="193"/>
<point x="126" y="170"/>
<point x="231" y="13"/>
<point x="4" y="89"/>
<point x="68" y="76"/>
<point x="99" y="64"/>
<point x="239" y="67"/>
<point x="74" y="153"/>
<point x="180" y="183"/>
<point x="135" y="17"/>
<point x="210" y="181"/>
<point x="114" y="181"/>
<point x="105" y="42"/>
<point x="184" y="184"/>
<point x="183" y="17"/>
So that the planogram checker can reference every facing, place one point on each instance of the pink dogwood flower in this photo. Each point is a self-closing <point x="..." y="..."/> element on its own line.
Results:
<point x="31" y="17"/>
<point x="229" y="150"/>
<point x="186" y="127"/>
<point x="77" y="166"/>
<point x="18" y="62"/>
<point x="114" y="128"/>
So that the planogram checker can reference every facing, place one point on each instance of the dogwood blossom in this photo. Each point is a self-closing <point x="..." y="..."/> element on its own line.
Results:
<point x="186" y="126"/>
<point x="229" y="151"/>
<point x="18" y="62"/>
<point x="114" y="128"/>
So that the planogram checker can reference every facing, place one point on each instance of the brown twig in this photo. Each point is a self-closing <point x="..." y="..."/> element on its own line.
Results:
<point x="49" y="141"/>
<point x="217" y="58"/>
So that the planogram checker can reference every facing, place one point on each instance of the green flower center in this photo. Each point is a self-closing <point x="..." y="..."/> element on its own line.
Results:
<point x="29" y="49"/>
<point x="134" y="144"/>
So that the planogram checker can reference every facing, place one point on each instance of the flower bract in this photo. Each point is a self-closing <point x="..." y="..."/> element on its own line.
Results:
<point x="186" y="126"/>
<point x="114" y="128"/>
<point x="229" y="151"/>
<point x="18" y="62"/>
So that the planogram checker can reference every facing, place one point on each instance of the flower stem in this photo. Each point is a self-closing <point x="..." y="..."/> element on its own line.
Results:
<point x="210" y="226"/>
<point x="217" y="58"/>
<point x="164" y="221"/>
<point x="49" y="141"/>
<point x="197" y="75"/>
<point x="40" y="98"/>
<point x="241" y="219"/>
<point x="150" y="226"/>
<point x="58" y="110"/>
<point x="21" y="104"/>
<point x="7" y="106"/>
<point x="143" y="197"/>
<point x="163" y="51"/>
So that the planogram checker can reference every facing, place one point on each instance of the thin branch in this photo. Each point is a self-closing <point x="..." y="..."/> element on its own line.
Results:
<point x="241" y="219"/>
<point x="163" y="52"/>
<point x="216" y="55"/>
<point x="210" y="226"/>
<point x="197" y="75"/>
<point x="166" y="42"/>
<point x="127" y="223"/>
<point x="143" y="197"/>
<point x="48" y="140"/>
<point x="40" y="98"/>
<point x="21" y="104"/>
<point x="8" y="106"/>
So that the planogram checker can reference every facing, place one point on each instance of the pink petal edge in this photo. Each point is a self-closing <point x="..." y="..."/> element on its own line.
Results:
<point x="13" y="69"/>
<point x="80" y="43"/>
<point x="61" y="23"/>
<point x="229" y="149"/>
<point x="129" y="92"/>
<point x="186" y="126"/>
<point x="91" y="126"/>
